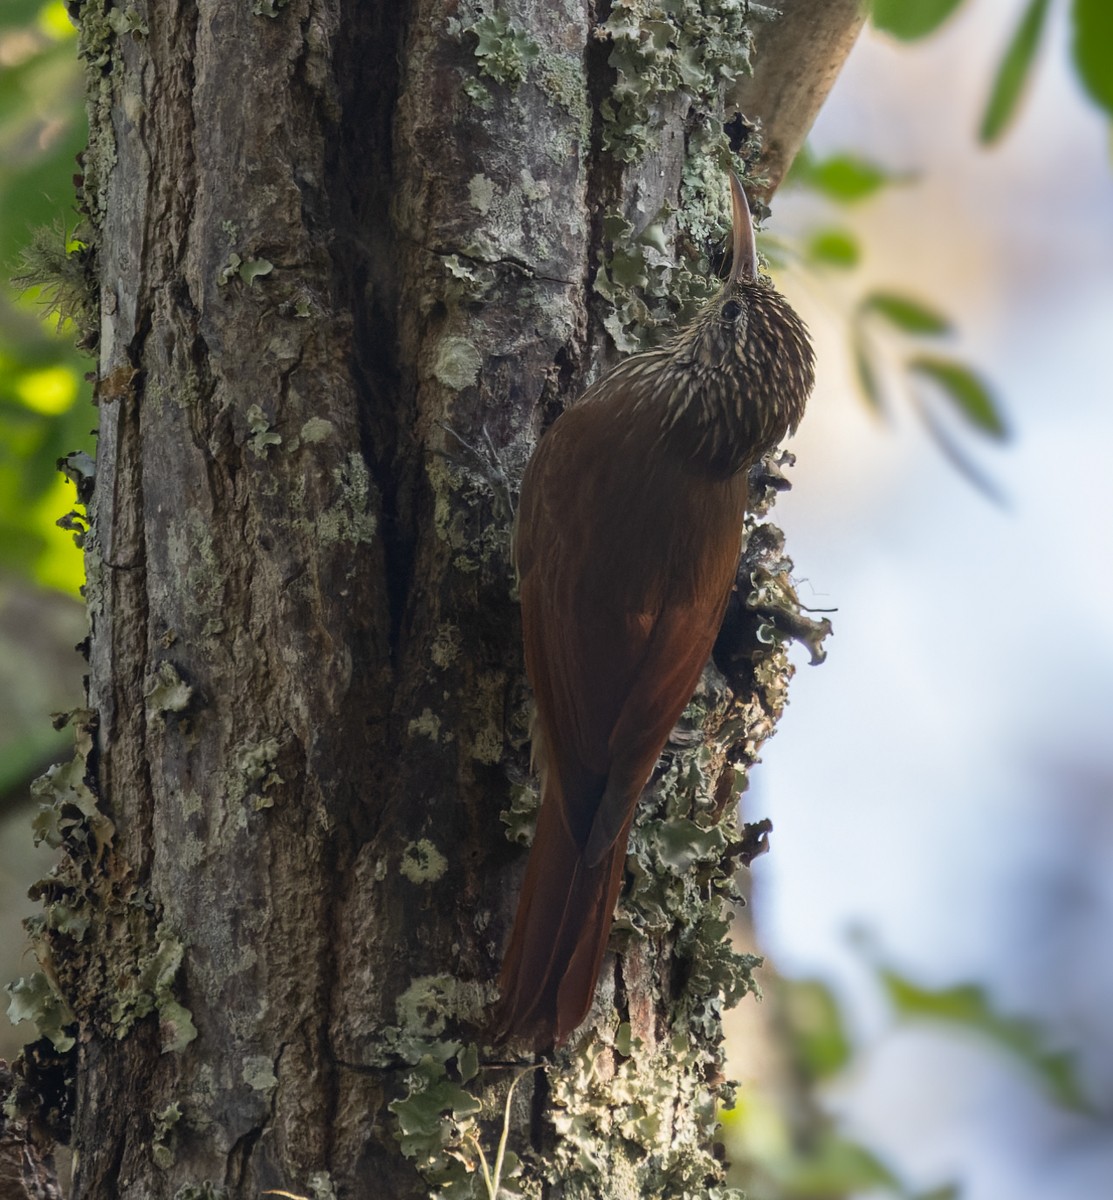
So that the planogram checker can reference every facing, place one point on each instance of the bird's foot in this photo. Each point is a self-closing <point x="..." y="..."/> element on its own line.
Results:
<point x="764" y="610"/>
<point x="775" y="600"/>
<point x="767" y="480"/>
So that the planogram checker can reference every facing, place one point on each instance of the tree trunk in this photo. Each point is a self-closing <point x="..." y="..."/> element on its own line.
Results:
<point x="349" y="258"/>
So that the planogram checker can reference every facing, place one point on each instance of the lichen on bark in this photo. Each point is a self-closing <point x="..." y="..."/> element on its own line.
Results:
<point x="306" y="707"/>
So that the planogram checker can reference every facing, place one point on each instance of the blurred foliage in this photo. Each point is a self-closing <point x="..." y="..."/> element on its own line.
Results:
<point x="893" y="336"/>
<point x="967" y="1008"/>
<point x="812" y="1160"/>
<point x="1091" y="50"/>
<point x="893" y="326"/>
<point x="44" y="400"/>
<point x="1008" y="84"/>
<point x="911" y="19"/>
<point x="45" y="415"/>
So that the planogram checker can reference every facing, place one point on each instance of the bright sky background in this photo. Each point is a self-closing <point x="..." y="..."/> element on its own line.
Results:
<point x="944" y="780"/>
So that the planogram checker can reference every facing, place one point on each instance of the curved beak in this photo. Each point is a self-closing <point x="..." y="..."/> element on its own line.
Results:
<point x="744" y="267"/>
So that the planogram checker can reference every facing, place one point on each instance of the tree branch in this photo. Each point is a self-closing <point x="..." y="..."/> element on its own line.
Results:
<point x="797" y="59"/>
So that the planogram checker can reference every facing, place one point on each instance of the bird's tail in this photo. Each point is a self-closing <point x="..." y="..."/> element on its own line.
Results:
<point x="560" y="933"/>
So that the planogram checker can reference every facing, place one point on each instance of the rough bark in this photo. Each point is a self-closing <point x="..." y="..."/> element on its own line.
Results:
<point x="349" y="258"/>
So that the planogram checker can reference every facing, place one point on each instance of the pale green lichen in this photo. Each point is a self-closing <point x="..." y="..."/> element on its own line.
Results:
<point x="487" y="740"/>
<point x="692" y="52"/>
<point x="125" y="21"/>
<point x="206" y="1190"/>
<point x="467" y="280"/>
<point x="68" y="809"/>
<point x="697" y="48"/>
<point x="444" y="648"/>
<point x="254" y="772"/>
<point x="162" y="1148"/>
<point x="258" y="1073"/>
<point x="148" y="987"/>
<point x="190" y="548"/>
<point x="246" y="269"/>
<point x="351" y="519"/>
<point x="456" y="363"/>
<point x="422" y="862"/>
<point x="520" y="815"/>
<point x="478" y="94"/>
<point x="427" y="725"/>
<point x="96" y="43"/>
<point x="129" y="973"/>
<point x="34" y="998"/>
<point x="166" y="691"/>
<point x="562" y="78"/>
<point x="321" y="1186"/>
<point x="481" y="193"/>
<point x="504" y="53"/>
<point x="316" y="430"/>
<point x="435" y="1114"/>
<point x="263" y="435"/>
<point x="641" y="1128"/>
<point x="462" y="495"/>
<point x="533" y="189"/>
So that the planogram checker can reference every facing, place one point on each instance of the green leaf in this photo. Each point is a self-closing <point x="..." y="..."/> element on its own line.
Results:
<point x="835" y="1166"/>
<point x="867" y="376"/>
<point x="833" y="248"/>
<point x="908" y="315"/>
<point x="911" y="19"/>
<point x="818" y="1035"/>
<point x="1012" y="73"/>
<point x="847" y="178"/>
<point x="967" y="1006"/>
<point x="1092" y="49"/>
<point x="965" y="390"/>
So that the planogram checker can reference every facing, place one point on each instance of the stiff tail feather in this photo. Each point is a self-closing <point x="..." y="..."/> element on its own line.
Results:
<point x="560" y="934"/>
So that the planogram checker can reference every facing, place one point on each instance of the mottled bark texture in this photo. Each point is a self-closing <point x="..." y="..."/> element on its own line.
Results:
<point x="349" y="258"/>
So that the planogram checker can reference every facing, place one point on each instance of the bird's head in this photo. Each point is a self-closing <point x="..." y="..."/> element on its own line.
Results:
<point x="747" y="357"/>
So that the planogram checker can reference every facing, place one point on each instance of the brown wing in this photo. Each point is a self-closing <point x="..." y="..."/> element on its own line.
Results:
<point x="624" y="577"/>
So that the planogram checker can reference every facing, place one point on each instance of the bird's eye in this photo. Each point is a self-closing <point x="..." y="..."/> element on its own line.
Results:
<point x="732" y="310"/>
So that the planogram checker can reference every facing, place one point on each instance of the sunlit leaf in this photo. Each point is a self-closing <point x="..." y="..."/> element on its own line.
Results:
<point x="833" y="248"/>
<point x="911" y="19"/>
<point x="1092" y="48"/>
<point x="44" y="400"/>
<point x="965" y="391"/>
<point x="55" y="22"/>
<point x="967" y="1006"/>
<point x="1013" y="72"/>
<point x="908" y="315"/>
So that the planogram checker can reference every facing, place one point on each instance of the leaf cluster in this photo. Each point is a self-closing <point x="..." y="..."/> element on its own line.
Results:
<point x="887" y="323"/>
<point x="828" y="1162"/>
<point x="1091" y="50"/>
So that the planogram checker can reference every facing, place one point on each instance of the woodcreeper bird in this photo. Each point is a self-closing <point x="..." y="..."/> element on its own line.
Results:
<point x="626" y="542"/>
